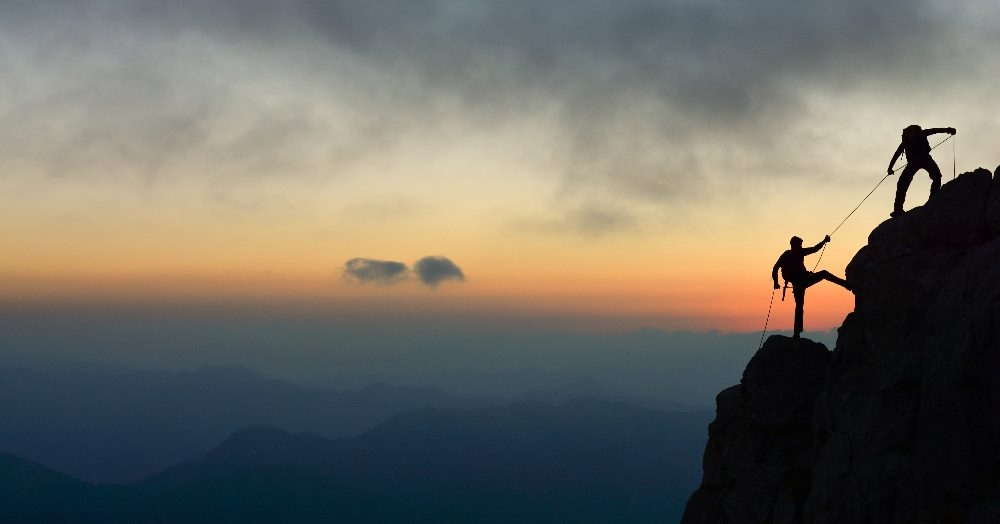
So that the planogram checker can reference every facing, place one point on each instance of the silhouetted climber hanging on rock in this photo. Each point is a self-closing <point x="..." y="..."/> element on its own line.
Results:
<point x="918" y="156"/>
<point x="793" y="269"/>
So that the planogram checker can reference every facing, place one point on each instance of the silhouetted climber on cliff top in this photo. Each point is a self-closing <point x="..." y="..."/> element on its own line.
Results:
<point x="793" y="269"/>
<point x="918" y="156"/>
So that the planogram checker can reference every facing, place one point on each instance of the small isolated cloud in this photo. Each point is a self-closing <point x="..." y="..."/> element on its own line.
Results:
<point x="433" y="270"/>
<point x="377" y="271"/>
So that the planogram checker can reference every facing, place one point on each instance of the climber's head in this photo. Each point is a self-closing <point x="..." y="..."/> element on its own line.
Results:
<point x="795" y="242"/>
<point x="911" y="130"/>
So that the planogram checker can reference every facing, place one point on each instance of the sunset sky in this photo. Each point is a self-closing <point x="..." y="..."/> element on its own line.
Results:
<point x="588" y="163"/>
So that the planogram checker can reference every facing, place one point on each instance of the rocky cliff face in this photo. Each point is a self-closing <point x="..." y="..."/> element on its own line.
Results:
<point x="901" y="422"/>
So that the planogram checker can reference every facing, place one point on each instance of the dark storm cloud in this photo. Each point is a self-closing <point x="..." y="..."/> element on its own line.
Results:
<point x="434" y="270"/>
<point x="375" y="271"/>
<point x="638" y="87"/>
<point x="723" y="62"/>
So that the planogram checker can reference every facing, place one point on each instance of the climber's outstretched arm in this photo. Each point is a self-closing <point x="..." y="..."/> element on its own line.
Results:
<point x="811" y="250"/>
<point x="936" y="130"/>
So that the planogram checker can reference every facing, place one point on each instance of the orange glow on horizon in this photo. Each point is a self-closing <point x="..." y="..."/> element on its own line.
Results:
<point x="726" y="305"/>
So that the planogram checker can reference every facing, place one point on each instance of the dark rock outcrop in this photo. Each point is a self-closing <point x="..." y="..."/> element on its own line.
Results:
<point x="759" y="450"/>
<point x="905" y="426"/>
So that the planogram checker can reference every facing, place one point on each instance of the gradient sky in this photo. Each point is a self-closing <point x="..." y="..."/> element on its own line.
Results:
<point x="632" y="162"/>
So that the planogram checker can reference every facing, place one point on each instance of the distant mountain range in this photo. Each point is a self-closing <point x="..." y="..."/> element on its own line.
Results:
<point x="584" y="461"/>
<point x="589" y="387"/>
<point x="122" y="425"/>
<point x="117" y="425"/>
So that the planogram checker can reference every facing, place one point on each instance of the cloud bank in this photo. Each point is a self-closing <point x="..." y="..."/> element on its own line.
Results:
<point x="648" y="101"/>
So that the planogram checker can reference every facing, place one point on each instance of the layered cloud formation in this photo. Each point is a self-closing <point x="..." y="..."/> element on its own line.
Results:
<point x="547" y="140"/>
<point x="641" y="92"/>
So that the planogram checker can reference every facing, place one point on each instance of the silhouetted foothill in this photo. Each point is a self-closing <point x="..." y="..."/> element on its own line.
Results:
<point x="904" y="419"/>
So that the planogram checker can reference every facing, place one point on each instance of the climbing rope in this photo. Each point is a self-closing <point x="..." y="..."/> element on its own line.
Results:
<point x="842" y="222"/>
<point x="766" y="320"/>
<point x="818" y="260"/>
<point x="894" y="171"/>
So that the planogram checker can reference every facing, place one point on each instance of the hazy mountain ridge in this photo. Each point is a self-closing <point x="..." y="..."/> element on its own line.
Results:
<point x="119" y="426"/>
<point x="325" y="353"/>
<point x="585" y="461"/>
<point x="589" y="387"/>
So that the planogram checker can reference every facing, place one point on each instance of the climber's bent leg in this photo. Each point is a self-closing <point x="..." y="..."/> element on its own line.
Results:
<point x="826" y="275"/>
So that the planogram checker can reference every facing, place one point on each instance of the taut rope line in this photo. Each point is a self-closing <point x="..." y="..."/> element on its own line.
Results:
<point x="766" y="320"/>
<point x="894" y="171"/>
<point x="842" y="222"/>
